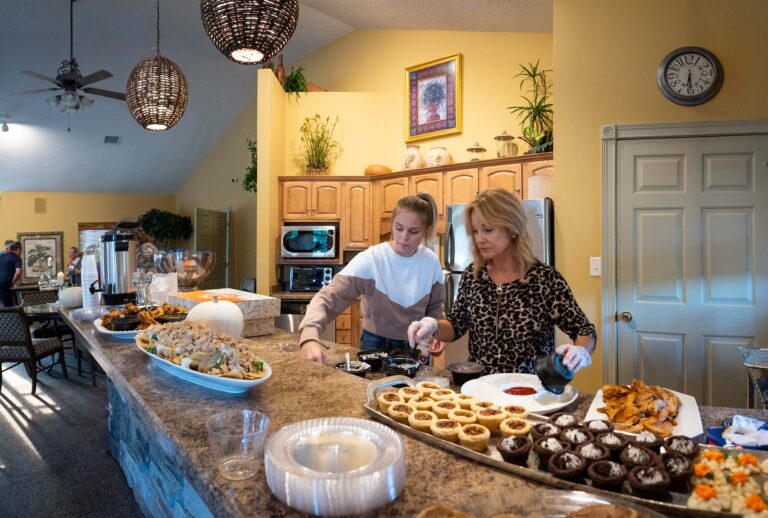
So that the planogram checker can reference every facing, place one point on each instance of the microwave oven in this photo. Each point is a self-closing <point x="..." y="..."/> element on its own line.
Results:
<point x="307" y="278"/>
<point x="310" y="241"/>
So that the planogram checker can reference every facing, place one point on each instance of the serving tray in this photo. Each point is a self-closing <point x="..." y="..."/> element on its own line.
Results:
<point x="674" y="503"/>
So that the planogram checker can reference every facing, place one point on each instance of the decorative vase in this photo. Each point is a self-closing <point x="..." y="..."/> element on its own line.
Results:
<point x="317" y="171"/>
<point x="437" y="156"/>
<point x="432" y="114"/>
<point x="412" y="158"/>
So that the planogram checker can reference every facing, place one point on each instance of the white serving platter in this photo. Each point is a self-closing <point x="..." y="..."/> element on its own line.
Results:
<point x="492" y="387"/>
<point x="121" y="335"/>
<point x="231" y="385"/>
<point x="688" y="418"/>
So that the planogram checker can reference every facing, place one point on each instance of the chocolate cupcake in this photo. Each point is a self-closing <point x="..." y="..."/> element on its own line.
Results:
<point x="567" y="464"/>
<point x="576" y="436"/>
<point x="545" y="430"/>
<point x="564" y="420"/>
<point x="679" y="468"/>
<point x="515" y="449"/>
<point x="633" y="456"/>
<point x="607" y="474"/>
<point x="648" y="440"/>
<point x="546" y="447"/>
<point x="613" y="441"/>
<point x="593" y="452"/>
<point x="648" y="481"/>
<point x="598" y="426"/>
<point x="682" y="445"/>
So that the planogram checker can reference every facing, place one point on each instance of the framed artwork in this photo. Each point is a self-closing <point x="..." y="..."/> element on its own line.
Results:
<point x="36" y="249"/>
<point x="433" y="99"/>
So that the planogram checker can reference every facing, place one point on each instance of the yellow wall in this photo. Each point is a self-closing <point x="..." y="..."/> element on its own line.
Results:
<point x="65" y="210"/>
<point x="606" y="74"/>
<point x="211" y="187"/>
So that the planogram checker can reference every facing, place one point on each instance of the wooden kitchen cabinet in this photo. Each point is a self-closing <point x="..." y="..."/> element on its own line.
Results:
<point x="432" y="184"/>
<point x="507" y="176"/>
<point x="542" y="168"/>
<point x="308" y="200"/>
<point x="390" y="190"/>
<point x="461" y="186"/>
<point x="356" y="231"/>
<point x="348" y="326"/>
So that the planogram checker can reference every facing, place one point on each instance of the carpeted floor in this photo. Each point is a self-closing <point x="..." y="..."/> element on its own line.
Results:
<point x="53" y="449"/>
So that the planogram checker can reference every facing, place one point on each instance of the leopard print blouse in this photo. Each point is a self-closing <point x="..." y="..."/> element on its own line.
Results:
<point x="528" y="310"/>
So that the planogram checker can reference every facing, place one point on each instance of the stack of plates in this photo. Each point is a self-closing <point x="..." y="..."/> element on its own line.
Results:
<point x="400" y="365"/>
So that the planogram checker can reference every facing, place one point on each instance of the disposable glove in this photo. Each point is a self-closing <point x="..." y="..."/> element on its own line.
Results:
<point x="574" y="356"/>
<point x="420" y="331"/>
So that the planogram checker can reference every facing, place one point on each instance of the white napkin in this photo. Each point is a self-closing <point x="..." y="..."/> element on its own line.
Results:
<point x="745" y="431"/>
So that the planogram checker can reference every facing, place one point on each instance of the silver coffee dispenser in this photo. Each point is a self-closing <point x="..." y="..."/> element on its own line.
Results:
<point x="118" y="263"/>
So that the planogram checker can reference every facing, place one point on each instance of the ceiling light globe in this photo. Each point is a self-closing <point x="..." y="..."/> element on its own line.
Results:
<point x="157" y="93"/>
<point x="70" y="99"/>
<point x="247" y="56"/>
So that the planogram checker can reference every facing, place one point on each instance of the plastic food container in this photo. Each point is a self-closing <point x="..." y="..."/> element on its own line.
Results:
<point x="462" y="372"/>
<point x="356" y="368"/>
<point x="372" y="358"/>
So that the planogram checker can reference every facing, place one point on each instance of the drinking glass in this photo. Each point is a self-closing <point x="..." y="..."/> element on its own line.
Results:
<point x="237" y="442"/>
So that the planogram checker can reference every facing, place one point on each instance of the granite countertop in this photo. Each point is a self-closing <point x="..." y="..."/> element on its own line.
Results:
<point x="298" y="390"/>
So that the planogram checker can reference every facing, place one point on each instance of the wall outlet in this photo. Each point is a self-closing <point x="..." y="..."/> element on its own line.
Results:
<point x="595" y="266"/>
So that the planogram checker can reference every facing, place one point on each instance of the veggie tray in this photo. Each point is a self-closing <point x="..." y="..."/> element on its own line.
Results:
<point x="710" y="466"/>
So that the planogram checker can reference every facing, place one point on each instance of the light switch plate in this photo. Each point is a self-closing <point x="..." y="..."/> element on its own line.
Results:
<point x="595" y="266"/>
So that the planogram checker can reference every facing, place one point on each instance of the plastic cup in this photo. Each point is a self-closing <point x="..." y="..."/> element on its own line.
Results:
<point x="237" y="442"/>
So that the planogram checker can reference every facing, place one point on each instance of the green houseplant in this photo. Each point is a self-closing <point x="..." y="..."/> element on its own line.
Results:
<point x="318" y="147"/>
<point x="295" y="82"/>
<point x="249" y="180"/>
<point x="164" y="226"/>
<point x="535" y="115"/>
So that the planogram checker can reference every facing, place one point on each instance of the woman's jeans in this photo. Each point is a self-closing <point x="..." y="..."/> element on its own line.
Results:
<point x="373" y="342"/>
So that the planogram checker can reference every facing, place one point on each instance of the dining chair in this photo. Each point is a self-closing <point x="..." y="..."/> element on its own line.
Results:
<point x="248" y="284"/>
<point x="17" y="345"/>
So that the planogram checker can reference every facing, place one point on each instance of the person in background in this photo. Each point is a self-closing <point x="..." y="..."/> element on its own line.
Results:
<point x="6" y="245"/>
<point x="398" y="281"/>
<point x="73" y="267"/>
<point x="10" y="272"/>
<point x="508" y="301"/>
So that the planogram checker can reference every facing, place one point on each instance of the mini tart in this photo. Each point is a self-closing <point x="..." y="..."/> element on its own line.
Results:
<point x="400" y="412"/>
<point x="613" y="441"/>
<point x="515" y="411"/>
<point x="442" y="394"/>
<point x="598" y="426"/>
<point x="481" y="405"/>
<point x="465" y="400"/>
<point x="475" y="437"/>
<point x="446" y="429"/>
<point x="463" y="416"/>
<point x="593" y="452"/>
<point x="515" y="449"/>
<point x="607" y="474"/>
<point x="633" y="456"/>
<point x="576" y="436"/>
<point x="514" y="426"/>
<point x="491" y="418"/>
<point x="648" y="440"/>
<point x="566" y="464"/>
<point x="387" y="399"/>
<point x="564" y="420"/>
<point x="544" y="430"/>
<point x="443" y="408"/>
<point x="682" y="445"/>
<point x="679" y="468"/>
<point x="422" y="403"/>
<point x="648" y="481"/>
<point x="421" y="420"/>
<point x="408" y="393"/>
<point x="707" y="498"/>
<point x="546" y="447"/>
<point x="427" y="387"/>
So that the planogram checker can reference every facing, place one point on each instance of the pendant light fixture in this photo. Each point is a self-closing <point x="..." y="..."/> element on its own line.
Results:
<point x="157" y="90"/>
<point x="249" y="31"/>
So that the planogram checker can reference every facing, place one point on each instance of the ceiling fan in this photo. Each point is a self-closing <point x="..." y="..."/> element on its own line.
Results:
<point x="69" y="79"/>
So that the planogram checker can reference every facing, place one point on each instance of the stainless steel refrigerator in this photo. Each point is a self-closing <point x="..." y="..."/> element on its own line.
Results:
<point x="457" y="254"/>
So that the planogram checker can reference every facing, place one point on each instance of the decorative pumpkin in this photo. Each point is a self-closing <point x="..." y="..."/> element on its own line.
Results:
<point x="72" y="297"/>
<point x="220" y="316"/>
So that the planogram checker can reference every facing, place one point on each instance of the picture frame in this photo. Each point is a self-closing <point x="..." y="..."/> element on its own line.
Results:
<point x="433" y="97"/>
<point x="36" y="248"/>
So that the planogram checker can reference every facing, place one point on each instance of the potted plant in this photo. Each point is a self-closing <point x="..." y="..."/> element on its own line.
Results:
<point x="295" y="82"/>
<point x="164" y="226"/>
<point x="318" y="147"/>
<point x="249" y="180"/>
<point x="535" y="115"/>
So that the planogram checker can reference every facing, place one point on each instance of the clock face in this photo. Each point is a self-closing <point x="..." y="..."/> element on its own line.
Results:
<point x="690" y="76"/>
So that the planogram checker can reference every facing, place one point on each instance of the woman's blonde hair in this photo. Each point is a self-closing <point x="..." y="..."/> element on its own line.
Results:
<point x="502" y="209"/>
<point x="422" y="204"/>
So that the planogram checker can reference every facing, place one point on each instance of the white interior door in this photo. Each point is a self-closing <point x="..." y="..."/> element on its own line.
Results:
<point x="211" y="233"/>
<point x="691" y="265"/>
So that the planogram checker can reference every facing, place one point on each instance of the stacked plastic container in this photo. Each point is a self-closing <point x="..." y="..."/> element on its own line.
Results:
<point x="89" y="274"/>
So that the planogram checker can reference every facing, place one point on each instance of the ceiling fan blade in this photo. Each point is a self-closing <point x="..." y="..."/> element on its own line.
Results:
<point x="26" y="92"/>
<point x="96" y="76"/>
<point x="105" y="93"/>
<point x="40" y="76"/>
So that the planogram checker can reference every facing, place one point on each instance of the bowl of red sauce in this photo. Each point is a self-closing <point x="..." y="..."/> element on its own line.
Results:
<point x="462" y="372"/>
<point x="520" y="390"/>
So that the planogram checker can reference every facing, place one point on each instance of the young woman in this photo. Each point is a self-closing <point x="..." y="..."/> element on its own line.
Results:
<point x="397" y="282"/>
<point x="509" y="302"/>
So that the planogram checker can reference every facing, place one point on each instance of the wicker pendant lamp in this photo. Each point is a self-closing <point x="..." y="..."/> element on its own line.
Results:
<point x="249" y="31"/>
<point x="157" y="90"/>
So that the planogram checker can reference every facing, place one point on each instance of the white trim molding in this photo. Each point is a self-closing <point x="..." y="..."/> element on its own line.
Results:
<point x="610" y="135"/>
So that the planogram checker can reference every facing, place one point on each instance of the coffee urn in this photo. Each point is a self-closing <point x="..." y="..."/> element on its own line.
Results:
<point x="118" y="264"/>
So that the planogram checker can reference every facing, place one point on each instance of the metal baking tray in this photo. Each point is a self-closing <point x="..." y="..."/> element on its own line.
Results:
<point x="673" y="505"/>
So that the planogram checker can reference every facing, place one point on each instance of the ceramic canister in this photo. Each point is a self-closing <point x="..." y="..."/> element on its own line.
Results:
<point x="437" y="156"/>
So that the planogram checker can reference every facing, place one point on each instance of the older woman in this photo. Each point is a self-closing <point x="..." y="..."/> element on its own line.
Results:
<point x="508" y="301"/>
<point x="73" y="267"/>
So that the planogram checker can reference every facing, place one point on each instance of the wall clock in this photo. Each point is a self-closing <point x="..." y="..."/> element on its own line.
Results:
<point x="690" y="76"/>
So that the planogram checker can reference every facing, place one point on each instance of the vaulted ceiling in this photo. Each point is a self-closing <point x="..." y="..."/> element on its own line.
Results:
<point x="39" y="154"/>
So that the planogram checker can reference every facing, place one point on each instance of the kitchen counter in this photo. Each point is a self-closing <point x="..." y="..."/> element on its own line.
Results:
<point x="157" y="433"/>
<point x="294" y="295"/>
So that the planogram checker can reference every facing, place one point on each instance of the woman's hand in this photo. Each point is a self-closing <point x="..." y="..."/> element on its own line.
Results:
<point x="421" y="330"/>
<point x="312" y="350"/>
<point x="575" y="357"/>
<point x="436" y="348"/>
